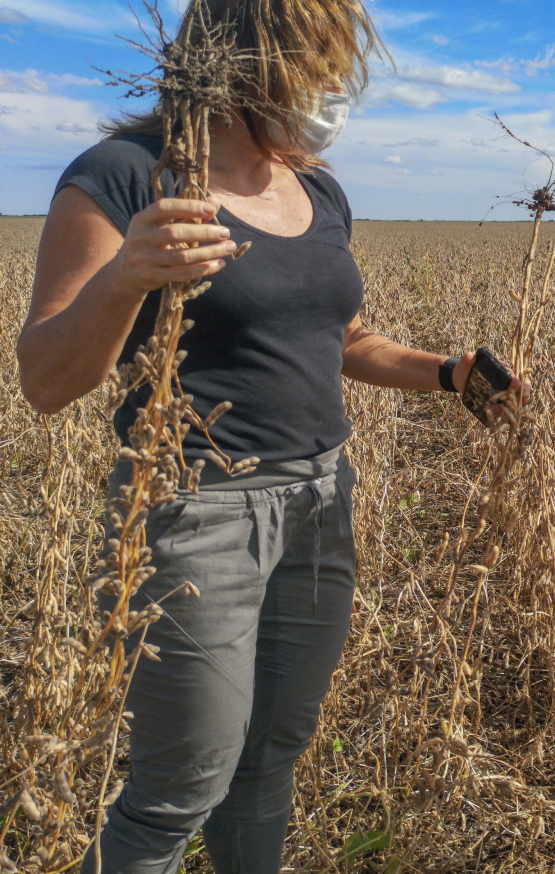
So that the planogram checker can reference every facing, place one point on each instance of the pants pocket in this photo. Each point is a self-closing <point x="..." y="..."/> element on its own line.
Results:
<point x="162" y="519"/>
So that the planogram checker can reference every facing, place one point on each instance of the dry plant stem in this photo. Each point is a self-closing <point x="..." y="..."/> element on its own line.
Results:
<point x="518" y="349"/>
<point x="534" y="324"/>
<point x="7" y="824"/>
<point x="69" y="865"/>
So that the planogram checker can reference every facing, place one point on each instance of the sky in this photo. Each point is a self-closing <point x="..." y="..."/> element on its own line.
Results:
<point x="419" y="145"/>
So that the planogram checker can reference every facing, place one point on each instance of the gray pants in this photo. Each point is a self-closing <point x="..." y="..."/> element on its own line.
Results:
<point x="220" y="721"/>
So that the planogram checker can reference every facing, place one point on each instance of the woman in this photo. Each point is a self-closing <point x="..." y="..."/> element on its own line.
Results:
<point x="220" y="720"/>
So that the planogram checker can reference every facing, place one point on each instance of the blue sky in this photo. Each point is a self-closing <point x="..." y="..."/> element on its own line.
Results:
<point x="415" y="147"/>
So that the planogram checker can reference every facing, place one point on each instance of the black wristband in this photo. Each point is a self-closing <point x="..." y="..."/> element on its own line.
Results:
<point x="446" y="373"/>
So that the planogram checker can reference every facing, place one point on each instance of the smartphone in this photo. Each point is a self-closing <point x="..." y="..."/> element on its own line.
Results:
<point x="487" y="377"/>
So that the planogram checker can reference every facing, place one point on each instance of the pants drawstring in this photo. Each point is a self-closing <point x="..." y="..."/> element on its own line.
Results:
<point x="313" y="487"/>
<point x="318" y="520"/>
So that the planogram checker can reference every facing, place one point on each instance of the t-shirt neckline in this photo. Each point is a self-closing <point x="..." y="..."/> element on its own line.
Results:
<point x="309" y="231"/>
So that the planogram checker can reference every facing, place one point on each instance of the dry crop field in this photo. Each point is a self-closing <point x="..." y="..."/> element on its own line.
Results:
<point x="435" y="751"/>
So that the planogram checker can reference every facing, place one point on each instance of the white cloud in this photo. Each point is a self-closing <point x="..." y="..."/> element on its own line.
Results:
<point x="62" y="13"/>
<point x="76" y="128"/>
<point x="36" y="123"/>
<point x="11" y="16"/>
<point x="440" y="40"/>
<point x="178" y="6"/>
<point x="394" y="159"/>
<point x="7" y="83"/>
<point x="33" y="83"/>
<point x="458" y="77"/>
<point x="423" y="85"/>
<point x="402" y="171"/>
<point x="530" y="68"/>
<point x="70" y="79"/>
<point x="484" y="26"/>
<point x="393" y="21"/>
<point x="529" y="124"/>
<point x="413" y="141"/>
<point x="504" y="65"/>
<point x="533" y="67"/>
<point x="406" y="93"/>
<point x="32" y="80"/>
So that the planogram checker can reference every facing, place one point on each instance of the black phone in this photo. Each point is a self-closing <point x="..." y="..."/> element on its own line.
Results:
<point x="487" y="377"/>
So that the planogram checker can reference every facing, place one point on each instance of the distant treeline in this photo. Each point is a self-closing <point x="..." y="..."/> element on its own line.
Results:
<point x="457" y="221"/>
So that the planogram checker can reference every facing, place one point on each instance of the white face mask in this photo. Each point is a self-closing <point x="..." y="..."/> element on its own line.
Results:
<point x="319" y="128"/>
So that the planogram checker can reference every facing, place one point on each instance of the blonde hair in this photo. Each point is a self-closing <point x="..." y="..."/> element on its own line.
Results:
<point x="295" y="47"/>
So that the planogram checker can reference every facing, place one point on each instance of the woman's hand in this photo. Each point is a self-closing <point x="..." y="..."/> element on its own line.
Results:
<point x="163" y="245"/>
<point x="461" y="372"/>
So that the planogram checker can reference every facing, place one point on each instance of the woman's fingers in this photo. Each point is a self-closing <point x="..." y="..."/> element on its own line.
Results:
<point x="526" y="388"/>
<point x="179" y="265"/>
<point x="188" y="257"/>
<point x="462" y="369"/>
<point x="173" y="235"/>
<point x="188" y="274"/>
<point x="174" y="209"/>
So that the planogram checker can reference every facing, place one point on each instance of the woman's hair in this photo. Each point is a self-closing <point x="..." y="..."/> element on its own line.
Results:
<point x="294" y="48"/>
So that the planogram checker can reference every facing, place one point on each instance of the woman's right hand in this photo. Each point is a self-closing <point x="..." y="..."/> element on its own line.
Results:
<point x="165" y="244"/>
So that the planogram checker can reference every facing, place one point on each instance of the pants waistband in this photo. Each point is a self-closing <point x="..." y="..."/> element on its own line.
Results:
<point x="273" y="473"/>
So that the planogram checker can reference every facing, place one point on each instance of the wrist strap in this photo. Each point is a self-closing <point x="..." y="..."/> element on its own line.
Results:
<point x="446" y="373"/>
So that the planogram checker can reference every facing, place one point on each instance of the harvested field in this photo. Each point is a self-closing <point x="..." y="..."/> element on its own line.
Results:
<point x="435" y="751"/>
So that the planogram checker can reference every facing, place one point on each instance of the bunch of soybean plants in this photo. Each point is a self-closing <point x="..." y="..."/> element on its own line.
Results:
<point x="70" y="704"/>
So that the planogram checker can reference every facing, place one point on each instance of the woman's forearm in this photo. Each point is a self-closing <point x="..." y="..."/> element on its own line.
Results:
<point x="68" y="354"/>
<point x="375" y="360"/>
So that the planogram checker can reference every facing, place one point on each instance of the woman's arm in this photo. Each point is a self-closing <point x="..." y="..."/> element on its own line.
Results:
<point x="90" y="284"/>
<point x="374" y="359"/>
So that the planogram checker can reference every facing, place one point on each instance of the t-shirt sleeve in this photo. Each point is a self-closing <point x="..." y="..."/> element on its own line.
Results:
<point x="336" y="197"/>
<point x="116" y="174"/>
<point x="345" y="208"/>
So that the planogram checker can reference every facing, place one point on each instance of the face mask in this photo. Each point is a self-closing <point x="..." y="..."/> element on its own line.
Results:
<point x="319" y="128"/>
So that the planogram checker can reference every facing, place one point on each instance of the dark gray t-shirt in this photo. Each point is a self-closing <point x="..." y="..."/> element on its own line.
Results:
<point x="268" y="335"/>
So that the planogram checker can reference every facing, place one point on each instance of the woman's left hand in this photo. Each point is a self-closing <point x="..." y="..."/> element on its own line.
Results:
<point x="461" y="372"/>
